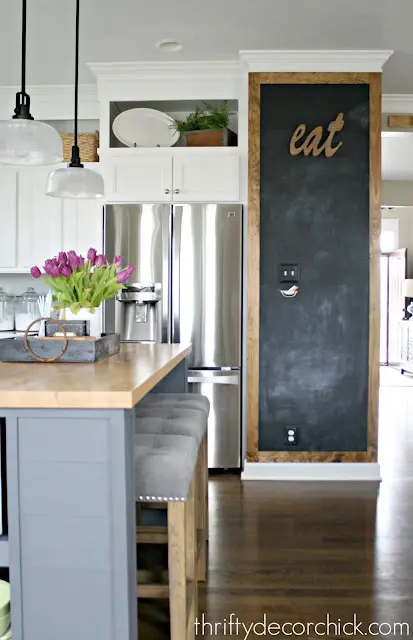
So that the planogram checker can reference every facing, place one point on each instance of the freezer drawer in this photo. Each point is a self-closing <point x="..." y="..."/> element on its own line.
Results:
<point x="222" y="388"/>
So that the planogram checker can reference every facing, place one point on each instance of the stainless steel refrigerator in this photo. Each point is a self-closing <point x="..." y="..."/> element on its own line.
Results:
<point x="194" y="251"/>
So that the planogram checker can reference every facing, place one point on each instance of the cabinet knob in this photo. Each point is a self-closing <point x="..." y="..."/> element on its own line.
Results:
<point x="167" y="191"/>
<point x="176" y="190"/>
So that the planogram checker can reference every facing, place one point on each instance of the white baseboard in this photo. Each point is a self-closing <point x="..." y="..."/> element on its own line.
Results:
<point x="315" y="471"/>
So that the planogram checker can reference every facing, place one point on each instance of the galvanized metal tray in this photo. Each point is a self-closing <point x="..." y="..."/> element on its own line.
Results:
<point x="74" y="349"/>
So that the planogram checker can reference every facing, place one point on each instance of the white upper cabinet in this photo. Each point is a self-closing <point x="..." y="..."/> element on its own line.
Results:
<point x="143" y="178"/>
<point x="82" y="225"/>
<point x="181" y="176"/>
<point x="40" y="219"/>
<point x="206" y="177"/>
<point x="36" y="227"/>
<point x="8" y="209"/>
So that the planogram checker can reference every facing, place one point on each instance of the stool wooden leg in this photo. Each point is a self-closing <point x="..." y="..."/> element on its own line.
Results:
<point x="177" y="512"/>
<point x="182" y="567"/>
<point x="206" y="480"/>
<point x="191" y="560"/>
<point x="202" y="479"/>
<point x="138" y="511"/>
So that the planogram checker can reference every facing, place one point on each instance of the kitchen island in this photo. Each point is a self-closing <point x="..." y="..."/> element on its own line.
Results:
<point x="71" y="491"/>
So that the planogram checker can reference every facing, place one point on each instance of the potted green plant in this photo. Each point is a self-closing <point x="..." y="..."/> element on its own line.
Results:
<point x="207" y="126"/>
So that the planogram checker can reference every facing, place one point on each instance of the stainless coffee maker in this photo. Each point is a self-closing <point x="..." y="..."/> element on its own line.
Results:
<point x="138" y="313"/>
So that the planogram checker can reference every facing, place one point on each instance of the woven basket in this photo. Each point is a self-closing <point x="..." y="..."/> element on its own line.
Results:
<point x="88" y="146"/>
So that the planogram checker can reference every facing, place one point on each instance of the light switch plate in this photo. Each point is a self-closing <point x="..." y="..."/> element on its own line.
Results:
<point x="288" y="273"/>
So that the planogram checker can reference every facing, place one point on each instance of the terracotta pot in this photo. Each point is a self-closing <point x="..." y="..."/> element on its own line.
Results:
<point x="210" y="138"/>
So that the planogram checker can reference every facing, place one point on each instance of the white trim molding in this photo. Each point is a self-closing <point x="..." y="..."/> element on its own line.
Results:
<point x="312" y="471"/>
<point x="53" y="102"/>
<point x="222" y="78"/>
<point x="122" y="71"/>
<point x="170" y="80"/>
<point x="322" y="60"/>
<point x="397" y="103"/>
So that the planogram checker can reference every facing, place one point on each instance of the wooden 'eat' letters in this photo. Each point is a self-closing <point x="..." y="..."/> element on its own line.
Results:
<point x="312" y="141"/>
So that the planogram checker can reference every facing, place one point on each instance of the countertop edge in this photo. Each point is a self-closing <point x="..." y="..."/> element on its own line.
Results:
<point x="103" y="400"/>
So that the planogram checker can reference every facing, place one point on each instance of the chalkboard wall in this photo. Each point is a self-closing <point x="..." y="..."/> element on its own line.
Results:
<point x="314" y="212"/>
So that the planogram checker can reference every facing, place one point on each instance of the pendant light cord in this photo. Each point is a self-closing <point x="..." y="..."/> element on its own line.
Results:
<point x="24" y="23"/>
<point x="22" y="109"/>
<point x="75" y="160"/>
<point x="76" y="71"/>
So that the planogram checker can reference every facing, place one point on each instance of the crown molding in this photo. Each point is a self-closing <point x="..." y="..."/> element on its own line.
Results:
<point x="397" y="103"/>
<point x="53" y="102"/>
<point x="322" y="60"/>
<point x="123" y="71"/>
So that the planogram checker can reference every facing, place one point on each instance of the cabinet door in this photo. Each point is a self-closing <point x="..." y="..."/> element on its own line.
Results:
<point x="8" y="209"/>
<point x="208" y="177"/>
<point x="40" y="219"/>
<point x="82" y="225"/>
<point x="83" y="222"/>
<point x="139" y="179"/>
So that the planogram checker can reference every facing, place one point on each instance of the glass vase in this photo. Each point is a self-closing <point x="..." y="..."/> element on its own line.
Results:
<point x="92" y="315"/>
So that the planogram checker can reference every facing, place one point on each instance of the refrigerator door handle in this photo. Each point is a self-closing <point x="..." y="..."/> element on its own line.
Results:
<point x="176" y="275"/>
<point x="166" y="271"/>
<point x="214" y="377"/>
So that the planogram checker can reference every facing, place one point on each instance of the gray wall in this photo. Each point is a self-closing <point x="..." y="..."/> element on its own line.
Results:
<point x="405" y="217"/>
<point x="397" y="193"/>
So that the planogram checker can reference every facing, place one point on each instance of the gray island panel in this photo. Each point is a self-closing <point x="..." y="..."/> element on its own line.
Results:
<point x="71" y="524"/>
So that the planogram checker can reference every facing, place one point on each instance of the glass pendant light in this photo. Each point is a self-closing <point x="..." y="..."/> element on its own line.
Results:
<point x="24" y="141"/>
<point x="74" y="181"/>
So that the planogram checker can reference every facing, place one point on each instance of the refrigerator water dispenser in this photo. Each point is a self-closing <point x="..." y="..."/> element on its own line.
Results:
<point x="138" y="312"/>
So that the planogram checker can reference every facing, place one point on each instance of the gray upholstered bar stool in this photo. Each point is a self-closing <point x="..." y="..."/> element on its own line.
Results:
<point x="186" y="416"/>
<point x="177" y="400"/>
<point x="165" y="472"/>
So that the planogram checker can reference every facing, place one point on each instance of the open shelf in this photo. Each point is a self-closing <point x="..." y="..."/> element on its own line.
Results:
<point x="177" y="109"/>
<point x="11" y="270"/>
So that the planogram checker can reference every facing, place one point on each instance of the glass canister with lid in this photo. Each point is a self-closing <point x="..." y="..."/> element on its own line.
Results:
<point x="27" y="309"/>
<point x="6" y="311"/>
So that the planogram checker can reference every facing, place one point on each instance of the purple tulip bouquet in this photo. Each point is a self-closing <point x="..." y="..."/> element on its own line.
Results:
<point x="78" y="284"/>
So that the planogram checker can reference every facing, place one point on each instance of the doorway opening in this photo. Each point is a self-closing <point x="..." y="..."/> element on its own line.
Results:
<point x="393" y="272"/>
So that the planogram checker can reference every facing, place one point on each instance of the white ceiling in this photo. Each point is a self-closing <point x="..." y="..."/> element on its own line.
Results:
<point x="127" y="30"/>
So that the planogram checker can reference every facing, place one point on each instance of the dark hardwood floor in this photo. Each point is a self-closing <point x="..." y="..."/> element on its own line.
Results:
<point x="297" y="551"/>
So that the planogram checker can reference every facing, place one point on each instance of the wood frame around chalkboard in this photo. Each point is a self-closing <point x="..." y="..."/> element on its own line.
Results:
<point x="253" y="265"/>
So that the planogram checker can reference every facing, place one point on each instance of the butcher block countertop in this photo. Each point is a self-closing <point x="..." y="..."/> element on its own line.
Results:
<point x="118" y="382"/>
